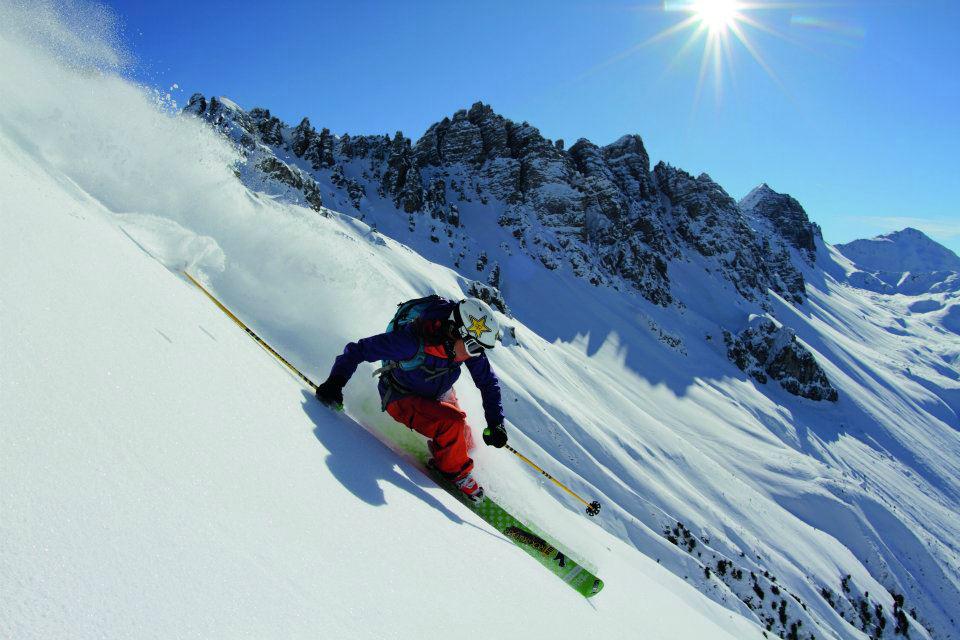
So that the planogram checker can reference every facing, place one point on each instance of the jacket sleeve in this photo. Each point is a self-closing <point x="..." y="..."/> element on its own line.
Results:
<point x="396" y="345"/>
<point x="486" y="380"/>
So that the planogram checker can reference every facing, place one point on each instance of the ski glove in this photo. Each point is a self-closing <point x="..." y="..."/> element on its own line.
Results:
<point x="495" y="435"/>
<point x="330" y="392"/>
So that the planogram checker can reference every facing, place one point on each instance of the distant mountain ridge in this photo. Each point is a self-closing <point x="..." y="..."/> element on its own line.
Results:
<point x="907" y="262"/>
<point x="906" y="250"/>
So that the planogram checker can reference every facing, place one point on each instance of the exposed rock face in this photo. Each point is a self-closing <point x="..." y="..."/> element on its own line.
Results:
<point x="354" y="190"/>
<point x="269" y="127"/>
<point x="767" y="349"/>
<point x="293" y="177"/>
<point x="489" y="294"/>
<point x="254" y="133"/>
<point x="709" y="220"/>
<point x="786" y="216"/>
<point x="599" y="211"/>
<point x="451" y="141"/>
<point x="621" y="214"/>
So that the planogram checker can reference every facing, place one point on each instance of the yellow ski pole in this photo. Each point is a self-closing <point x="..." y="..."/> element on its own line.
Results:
<point x="593" y="508"/>
<point x="250" y="333"/>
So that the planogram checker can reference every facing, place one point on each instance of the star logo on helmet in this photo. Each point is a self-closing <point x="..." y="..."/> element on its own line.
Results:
<point x="478" y="326"/>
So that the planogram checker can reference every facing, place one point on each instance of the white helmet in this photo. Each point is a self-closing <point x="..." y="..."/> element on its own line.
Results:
<point x="476" y="324"/>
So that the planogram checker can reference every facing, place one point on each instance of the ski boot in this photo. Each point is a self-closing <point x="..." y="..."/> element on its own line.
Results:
<point x="470" y="488"/>
<point x="465" y="483"/>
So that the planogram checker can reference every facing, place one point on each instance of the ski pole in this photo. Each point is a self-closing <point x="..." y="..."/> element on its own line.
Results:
<point x="593" y="508"/>
<point x="250" y="333"/>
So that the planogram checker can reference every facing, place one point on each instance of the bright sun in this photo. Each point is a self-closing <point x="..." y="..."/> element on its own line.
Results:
<point x="717" y="15"/>
<point x="720" y="29"/>
<point x="718" y="25"/>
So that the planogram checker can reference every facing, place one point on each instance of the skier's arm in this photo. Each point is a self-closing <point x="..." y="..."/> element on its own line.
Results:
<point x="395" y="345"/>
<point x="486" y="380"/>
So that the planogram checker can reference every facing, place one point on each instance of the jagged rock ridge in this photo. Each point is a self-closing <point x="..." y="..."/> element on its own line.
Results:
<point x="599" y="210"/>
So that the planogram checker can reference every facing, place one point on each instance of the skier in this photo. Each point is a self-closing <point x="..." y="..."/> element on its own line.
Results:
<point x="423" y="348"/>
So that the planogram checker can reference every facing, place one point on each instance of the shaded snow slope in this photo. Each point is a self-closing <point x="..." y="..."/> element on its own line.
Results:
<point x="204" y="466"/>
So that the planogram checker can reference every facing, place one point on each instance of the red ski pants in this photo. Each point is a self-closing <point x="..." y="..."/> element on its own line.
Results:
<point x="444" y="423"/>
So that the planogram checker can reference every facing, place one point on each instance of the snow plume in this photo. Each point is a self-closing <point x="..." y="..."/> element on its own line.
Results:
<point x="63" y="99"/>
<point x="82" y="35"/>
<point x="101" y="131"/>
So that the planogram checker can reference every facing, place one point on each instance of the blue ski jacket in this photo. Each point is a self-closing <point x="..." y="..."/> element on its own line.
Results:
<point x="433" y="380"/>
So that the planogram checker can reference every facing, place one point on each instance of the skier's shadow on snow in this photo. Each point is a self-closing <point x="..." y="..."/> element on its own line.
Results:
<point x="359" y="461"/>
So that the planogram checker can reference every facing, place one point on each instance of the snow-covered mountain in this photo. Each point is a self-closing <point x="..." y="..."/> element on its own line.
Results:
<point x="917" y="280"/>
<point x="161" y="476"/>
<point x="905" y="250"/>
<point x="906" y="262"/>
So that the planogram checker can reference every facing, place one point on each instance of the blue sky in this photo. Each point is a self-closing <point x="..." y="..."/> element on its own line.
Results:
<point x="860" y="124"/>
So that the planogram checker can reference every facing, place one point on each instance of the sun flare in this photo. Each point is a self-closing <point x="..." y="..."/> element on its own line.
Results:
<point x="719" y="25"/>
<point x="722" y="31"/>
<point x="716" y="15"/>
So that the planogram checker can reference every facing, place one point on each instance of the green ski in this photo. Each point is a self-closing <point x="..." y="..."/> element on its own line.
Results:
<point x="556" y="561"/>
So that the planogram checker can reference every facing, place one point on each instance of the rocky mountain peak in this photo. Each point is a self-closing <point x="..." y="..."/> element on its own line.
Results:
<point x="598" y="212"/>
<point x="756" y="194"/>
<point x="785" y="216"/>
<point x="907" y="232"/>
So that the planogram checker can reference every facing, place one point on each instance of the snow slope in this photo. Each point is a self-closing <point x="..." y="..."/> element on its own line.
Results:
<point x="209" y="468"/>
